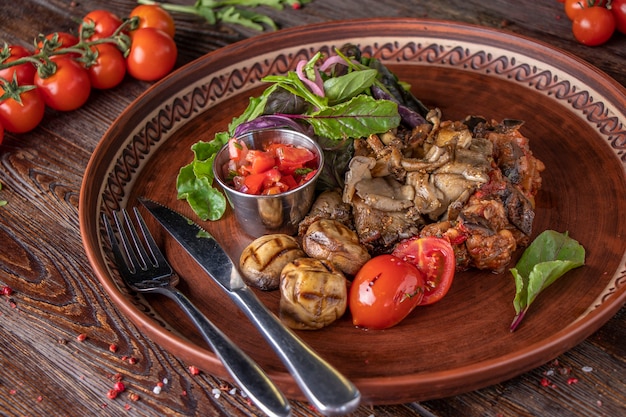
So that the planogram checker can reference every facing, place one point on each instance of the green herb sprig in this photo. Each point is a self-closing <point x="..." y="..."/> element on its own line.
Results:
<point x="231" y="11"/>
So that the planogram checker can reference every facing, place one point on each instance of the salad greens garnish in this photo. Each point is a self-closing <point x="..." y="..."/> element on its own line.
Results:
<point x="547" y="258"/>
<point x="231" y="11"/>
<point x="332" y="100"/>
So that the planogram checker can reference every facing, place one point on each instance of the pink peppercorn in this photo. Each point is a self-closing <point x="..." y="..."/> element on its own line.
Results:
<point x="6" y="290"/>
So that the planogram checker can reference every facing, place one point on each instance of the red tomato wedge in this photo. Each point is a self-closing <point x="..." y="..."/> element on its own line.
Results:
<point x="384" y="291"/>
<point x="435" y="258"/>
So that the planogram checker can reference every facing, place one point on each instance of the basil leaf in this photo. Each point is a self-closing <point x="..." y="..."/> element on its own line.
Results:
<point x="549" y="257"/>
<point x="339" y="89"/>
<point x="357" y="118"/>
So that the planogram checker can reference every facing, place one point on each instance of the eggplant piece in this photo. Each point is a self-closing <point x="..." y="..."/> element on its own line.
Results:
<point x="262" y="261"/>
<point x="313" y="294"/>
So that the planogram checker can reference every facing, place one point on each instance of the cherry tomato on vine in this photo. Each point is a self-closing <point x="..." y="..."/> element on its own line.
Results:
<point x="152" y="54"/>
<point x="154" y="16"/>
<point x="434" y="257"/>
<point x="1" y="133"/>
<point x="384" y="291"/>
<point x="593" y="26"/>
<point x="103" y="23"/>
<point x="109" y="68"/>
<point x="58" y="40"/>
<point x="618" y="8"/>
<point x="24" y="72"/>
<point x="21" y="113"/>
<point x="573" y="7"/>
<point x="68" y="88"/>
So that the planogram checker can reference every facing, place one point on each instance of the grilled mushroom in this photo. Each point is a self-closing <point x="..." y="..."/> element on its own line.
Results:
<point x="313" y="294"/>
<point x="262" y="261"/>
<point x="333" y="241"/>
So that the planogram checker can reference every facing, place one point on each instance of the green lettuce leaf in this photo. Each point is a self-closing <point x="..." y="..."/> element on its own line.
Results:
<point x="549" y="257"/>
<point x="195" y="180"/>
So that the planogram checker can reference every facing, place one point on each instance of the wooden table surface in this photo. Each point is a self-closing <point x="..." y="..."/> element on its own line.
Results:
<point x="46" y="371"/>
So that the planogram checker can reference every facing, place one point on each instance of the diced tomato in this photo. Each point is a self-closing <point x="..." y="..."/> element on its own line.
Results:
<point x="272" y="176"/>
<point x="289" y="181"/>
<point x="291" y="158"/>
<point x="275" y="169"/>
<point x="253" y="183"/>
<point x="260" y="161"/>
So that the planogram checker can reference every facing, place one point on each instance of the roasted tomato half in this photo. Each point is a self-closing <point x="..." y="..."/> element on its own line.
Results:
<point x="434" y="257"/>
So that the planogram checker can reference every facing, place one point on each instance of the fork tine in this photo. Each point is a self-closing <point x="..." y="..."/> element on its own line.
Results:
<point x="157" y="256"/>
<point x="120" y="260"/>
<point x="136" y="253"/>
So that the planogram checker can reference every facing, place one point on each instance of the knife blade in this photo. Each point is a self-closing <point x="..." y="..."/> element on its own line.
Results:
<point x="325" y="387"/>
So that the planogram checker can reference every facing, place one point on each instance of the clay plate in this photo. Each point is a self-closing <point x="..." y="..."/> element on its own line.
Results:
<point x="574" y="118"/>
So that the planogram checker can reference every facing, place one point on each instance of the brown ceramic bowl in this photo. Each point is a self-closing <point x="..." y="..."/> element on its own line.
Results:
<point x="575" y="118"/>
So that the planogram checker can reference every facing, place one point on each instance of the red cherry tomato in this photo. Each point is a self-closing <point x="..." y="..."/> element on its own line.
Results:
<point x="434" y="257"/>
<point x="103" y="23"/>
<point x="154" y="16"/>
<point x="23" y="115"/>
<point x="109" y="69"/>
<point x="152" y="54"/>
<point x="618" y="8"/>
<point x="68" y="88"/>
<point x="25" y="72"/>
<point x="1" y="133"/>
<point x="593" y="26"/>
<point x="58" y="40"/>
<point x="384" y="291"/>
<point x="573" y="7"/>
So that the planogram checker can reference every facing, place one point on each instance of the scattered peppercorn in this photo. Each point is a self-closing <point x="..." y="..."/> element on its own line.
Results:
<point x="112" y="394"/>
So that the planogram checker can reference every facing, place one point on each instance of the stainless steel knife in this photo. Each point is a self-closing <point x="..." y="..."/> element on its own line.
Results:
<point x="328" y="390"/>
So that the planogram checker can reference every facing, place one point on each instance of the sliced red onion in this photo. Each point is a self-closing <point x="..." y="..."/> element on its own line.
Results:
<point x="269" y="122"/>
<point x="316" y="87"/>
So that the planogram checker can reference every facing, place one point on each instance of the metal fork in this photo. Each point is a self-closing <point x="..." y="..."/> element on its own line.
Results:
<point x="144" y="269"/>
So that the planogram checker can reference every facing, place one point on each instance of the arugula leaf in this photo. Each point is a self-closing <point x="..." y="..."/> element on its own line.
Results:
<point x="549" y="257"/>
